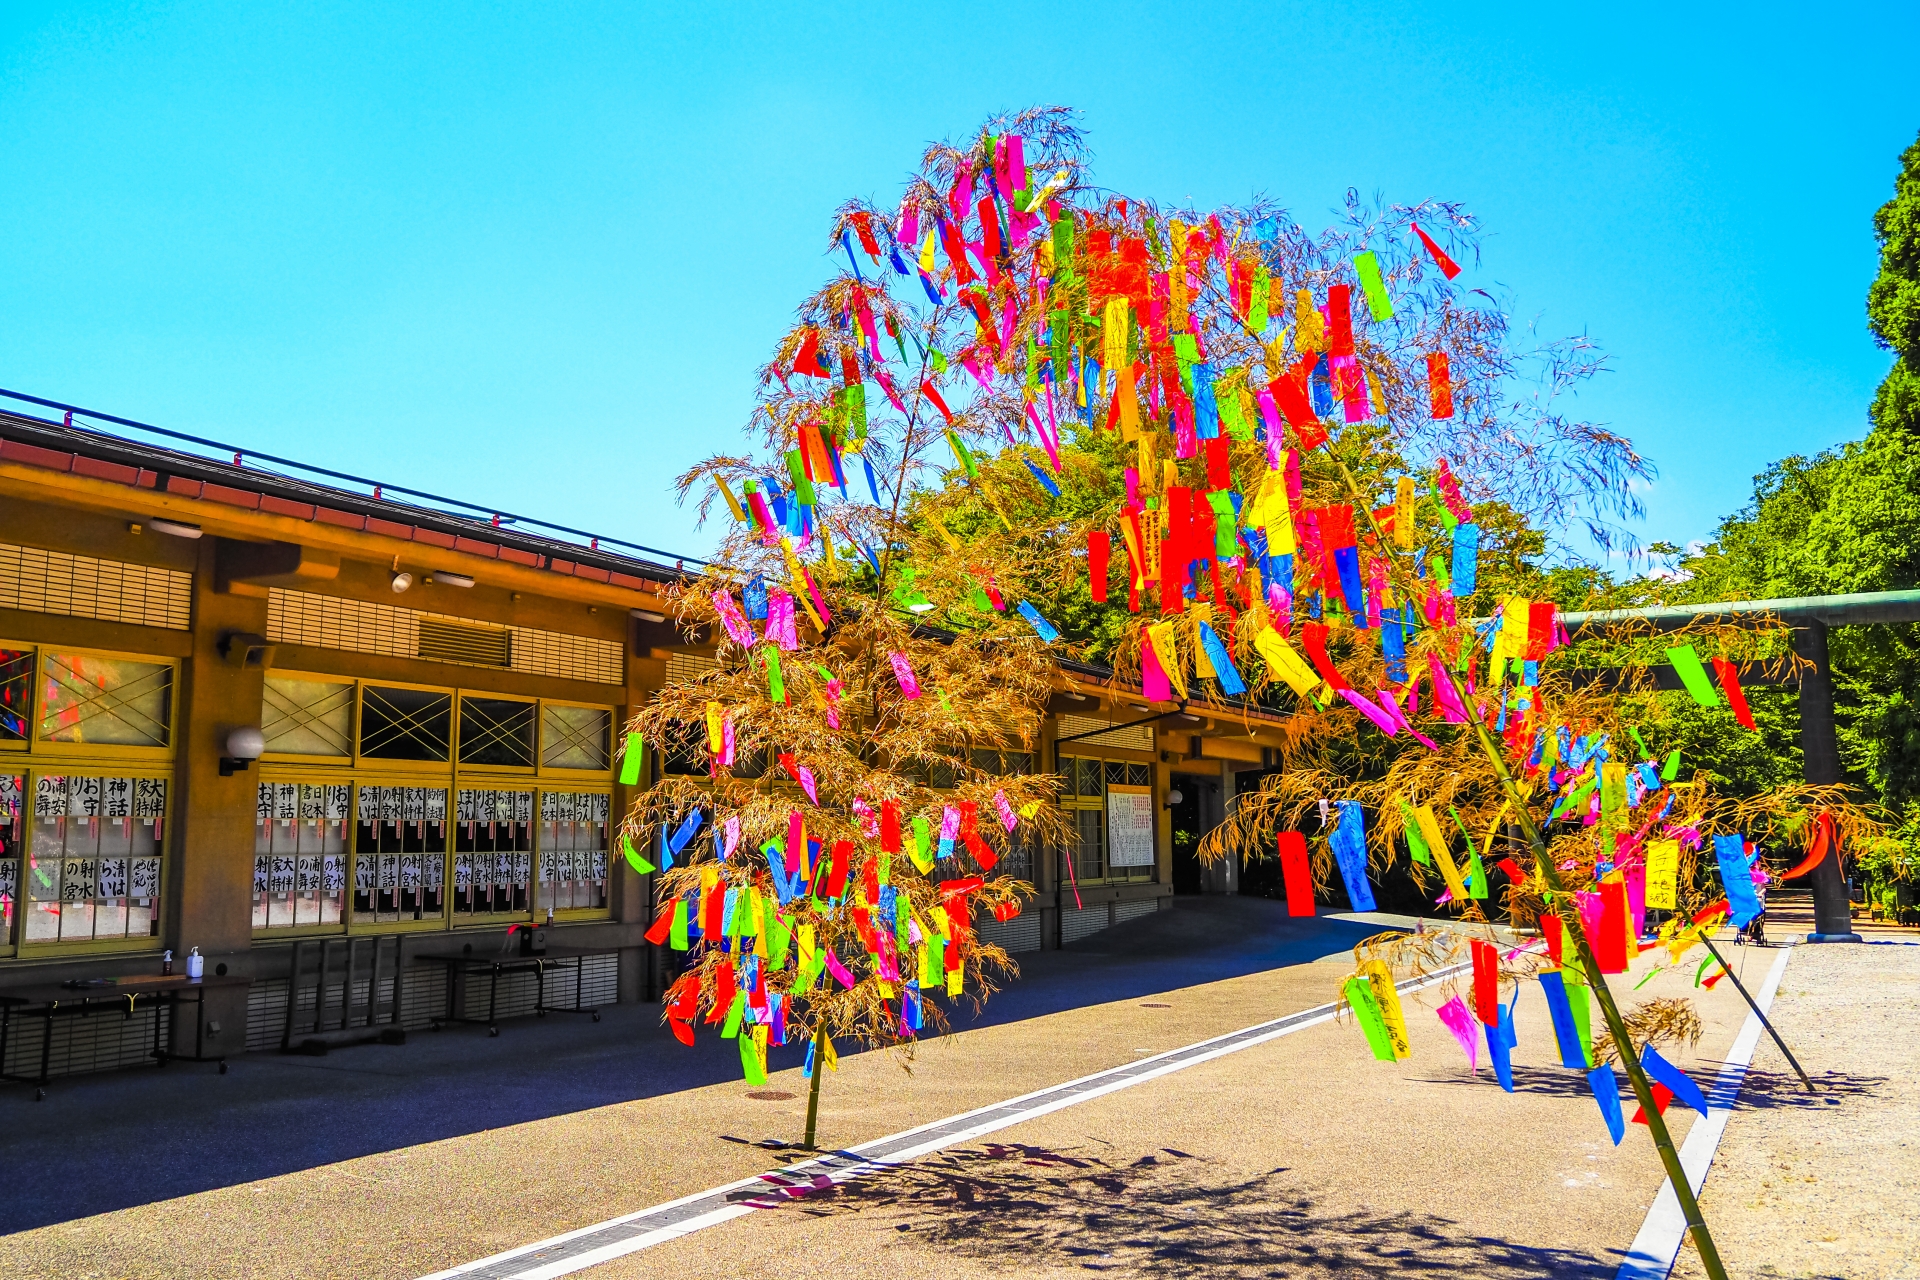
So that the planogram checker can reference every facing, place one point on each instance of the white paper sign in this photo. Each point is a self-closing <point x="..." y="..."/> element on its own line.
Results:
<point x="1130" y="822"/>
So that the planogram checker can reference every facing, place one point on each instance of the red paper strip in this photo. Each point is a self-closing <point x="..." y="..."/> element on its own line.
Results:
<point x="1447" y="265"/>
<point x="1486" y="982"/>
<point x="1736" y="698"/>
<point x="1099" y="551"/>
<point x="1610" y="947"/>
<point x="889" y="826"/>
<point x="1439" y="385"/>
<point x="1823" y="837"/>
<point x="1540" y="627"/>
<point x="1555" y="936"/>
<point x="1313" y="636"/>
<point x="662" y="924"/>
<point x="1340" y="320"/>
<point x="1298" y="875"/>
<point x="1661" y="1097"/>
<point x="837" y="878"/>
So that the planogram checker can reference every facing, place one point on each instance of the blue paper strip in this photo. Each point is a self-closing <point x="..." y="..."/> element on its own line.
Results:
<point x="1040" y="624"/>
<point x="1349" y="843"/>
<point x="1223" y="669"/>
<point x="1572" y="1052"/>
<point x="1735" y="882"/>
<point x="688" y="830"/>
<point x="1045" y="480"/>
<point x="1606" y="1092"/>
<point x="1500" y="1044"/>
<point x="1466" y="558"/>
<point x="1674" y="1078"/>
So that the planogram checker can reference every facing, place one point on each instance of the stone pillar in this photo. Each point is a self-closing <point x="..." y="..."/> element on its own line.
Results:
<point x="1832" y="915"/>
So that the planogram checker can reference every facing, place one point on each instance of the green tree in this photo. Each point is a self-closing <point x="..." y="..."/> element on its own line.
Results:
<point x="1893" y="303"/>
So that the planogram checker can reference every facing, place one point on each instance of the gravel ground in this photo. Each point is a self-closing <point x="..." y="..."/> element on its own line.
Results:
<point x="1826" y="1187"/>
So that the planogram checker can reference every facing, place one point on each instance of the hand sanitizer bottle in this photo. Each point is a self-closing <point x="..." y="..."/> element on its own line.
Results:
<point x="196" y="964"/>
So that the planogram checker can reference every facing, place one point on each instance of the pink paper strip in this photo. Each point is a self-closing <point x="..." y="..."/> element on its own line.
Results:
<point x="1454" y="1014"/>
<point x="1008" y="818"/>
<point x="903" y="673"/>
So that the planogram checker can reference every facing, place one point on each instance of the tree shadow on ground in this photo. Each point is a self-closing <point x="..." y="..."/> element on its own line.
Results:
<point x="1760" y="1091"/>
<point x="1166" y="1214"/>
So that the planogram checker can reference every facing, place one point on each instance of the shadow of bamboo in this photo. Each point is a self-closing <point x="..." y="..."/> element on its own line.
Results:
<point x="1760" y="1091"/>
<point x="1166" y="1214"/>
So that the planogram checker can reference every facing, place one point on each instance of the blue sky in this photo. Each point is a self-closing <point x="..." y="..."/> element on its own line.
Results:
<point x="531" y="254"/>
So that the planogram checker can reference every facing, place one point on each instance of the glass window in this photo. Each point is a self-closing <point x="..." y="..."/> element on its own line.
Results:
<point x="496" y="731"/>
<point x="405" y="724"/>
<point x="12" y="822"/>
<point x="113" y="701"/>
<point x="573" y="851"/>
<point x="94" y="862"/>
<point x="16" y="693"/>
<point x="1084" y="795"/>
<point x="400" y="854"/>
<point x="307" y="717"/>
<point x="493" y="853"/>
<point x="299" y="854"/>
<point x="576" y="737"/>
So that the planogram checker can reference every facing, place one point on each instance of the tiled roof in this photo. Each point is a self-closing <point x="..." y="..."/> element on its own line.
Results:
<point x="57" y="446"/>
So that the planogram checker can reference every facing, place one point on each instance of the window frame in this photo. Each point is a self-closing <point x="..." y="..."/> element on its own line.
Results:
<point x="15" y="942"/>
<point x="544" y="770"/>
<point x="1072" y="801"/>
<point x="301" y="760"/>
<point x="458" y="743"/>
<point x="104" y="751"/>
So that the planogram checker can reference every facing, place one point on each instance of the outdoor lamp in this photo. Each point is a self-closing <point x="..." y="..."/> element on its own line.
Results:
<point x="1174" y="797"/>
<point x="244" y="746"/>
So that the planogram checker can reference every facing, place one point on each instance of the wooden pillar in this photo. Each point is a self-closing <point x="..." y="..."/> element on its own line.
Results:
<point x="1820" y="748"/>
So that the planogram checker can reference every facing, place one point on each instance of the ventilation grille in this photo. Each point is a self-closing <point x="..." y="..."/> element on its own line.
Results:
<point x="463" y="642"/>
<point x="1083" y="922"/>
<point x="1124" y="911"/>
<point x="40" y="581"/>
<point x="683" y="666"/>
<point x="1138" y="737"/>
<point x="359" y="626"/>
<point x="97" y="1043"/>
<point x="1022" y="933"/>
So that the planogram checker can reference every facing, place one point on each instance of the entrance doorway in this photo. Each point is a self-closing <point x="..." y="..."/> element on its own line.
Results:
<point x="1196" y="813"/>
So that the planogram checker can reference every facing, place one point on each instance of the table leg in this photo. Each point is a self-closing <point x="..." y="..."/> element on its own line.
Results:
<point x="46" y="1055"/>
<point x="493" y="999"/>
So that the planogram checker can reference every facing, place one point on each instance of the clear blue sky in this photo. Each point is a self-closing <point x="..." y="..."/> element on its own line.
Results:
<point x="531" y="254"/>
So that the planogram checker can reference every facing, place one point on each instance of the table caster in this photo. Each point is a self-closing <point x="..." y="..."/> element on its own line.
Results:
<point x="596" y="1017"/>
<point x="493" y="1031"/>
<point x="39" y="1095"/>
<point x="223" y="1068"/>
<point x="539" y="1013"/>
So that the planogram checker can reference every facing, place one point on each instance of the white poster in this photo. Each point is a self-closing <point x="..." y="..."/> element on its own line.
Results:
<point x="1130" y="822"/>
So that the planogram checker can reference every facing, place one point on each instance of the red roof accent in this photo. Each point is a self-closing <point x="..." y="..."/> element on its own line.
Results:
<point x="232" y="497"/>
<point x="387" y="527"/>
<point x="279" y="506"/>
<point x="471" y="547"/>
<point x="434" y="538"/>
<point x="185" y="488"/>
<point x="517" y="556"/>
<point x="101" y="469"/>
<point x="35" y="456"/>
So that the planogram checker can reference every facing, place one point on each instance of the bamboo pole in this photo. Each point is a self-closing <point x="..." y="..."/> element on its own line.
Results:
<point x="1550" y="875"/>
<point x="819" y="1069"/>
<point x="1742" y="988"/>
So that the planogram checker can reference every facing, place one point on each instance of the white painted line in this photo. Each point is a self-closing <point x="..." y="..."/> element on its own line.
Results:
<point x="569" y="1252"/>
<point x="1658" y="1243"/>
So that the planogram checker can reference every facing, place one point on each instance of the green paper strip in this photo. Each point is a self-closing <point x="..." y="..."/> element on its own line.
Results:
<point x="1580" y="999"/>
<point x="962" y="456"/>
<point x="776" y="686"/>
<point x="797" y="472"/>
<point x="1476" y="875"/>
<point x="1368" y="268"/>
<point x="1672" y="769"/>
<point x="731" y="1028"/>
<point x="633" y="857"/>
<point x="632" y="760"/>
<point x="1226" y="537"/>
<point x="1638" y="741"/>
<point x="1693" y="675"/>
<point x="750" y="1061"/>
<point x="1367" y="1013"/>
<point x="1416" y="843"/>
<point x="678" y="938"/>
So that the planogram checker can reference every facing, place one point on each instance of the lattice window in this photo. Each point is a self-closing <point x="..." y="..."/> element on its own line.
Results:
<point x="576" y="737"/>
<point x="496" y="731"/>
<point x="16" y="693"/>
<point x="299" y="854"/>
<point x="1083" y="793"/>
<point x="361" y="626"/>
<point x="94" y="864"/>
<point x="12" y="845"/>
<point x="1138" y="737"/>
<point x="307" y="717"/>
<point x="682" y="665"/>
<point x="405" y="724"/>
<point x="117" y="701"/>
<point x="40" y="581"/>
<point x="573" y="850"/>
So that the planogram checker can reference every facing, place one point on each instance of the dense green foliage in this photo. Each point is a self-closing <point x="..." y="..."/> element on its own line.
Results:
<point x="1893" y="303"/>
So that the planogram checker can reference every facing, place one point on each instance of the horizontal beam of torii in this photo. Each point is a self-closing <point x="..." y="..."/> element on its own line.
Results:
<point x="1809" y="617"/>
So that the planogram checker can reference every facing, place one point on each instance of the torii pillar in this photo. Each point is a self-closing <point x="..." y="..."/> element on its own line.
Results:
<point x="1832" y="912"/>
